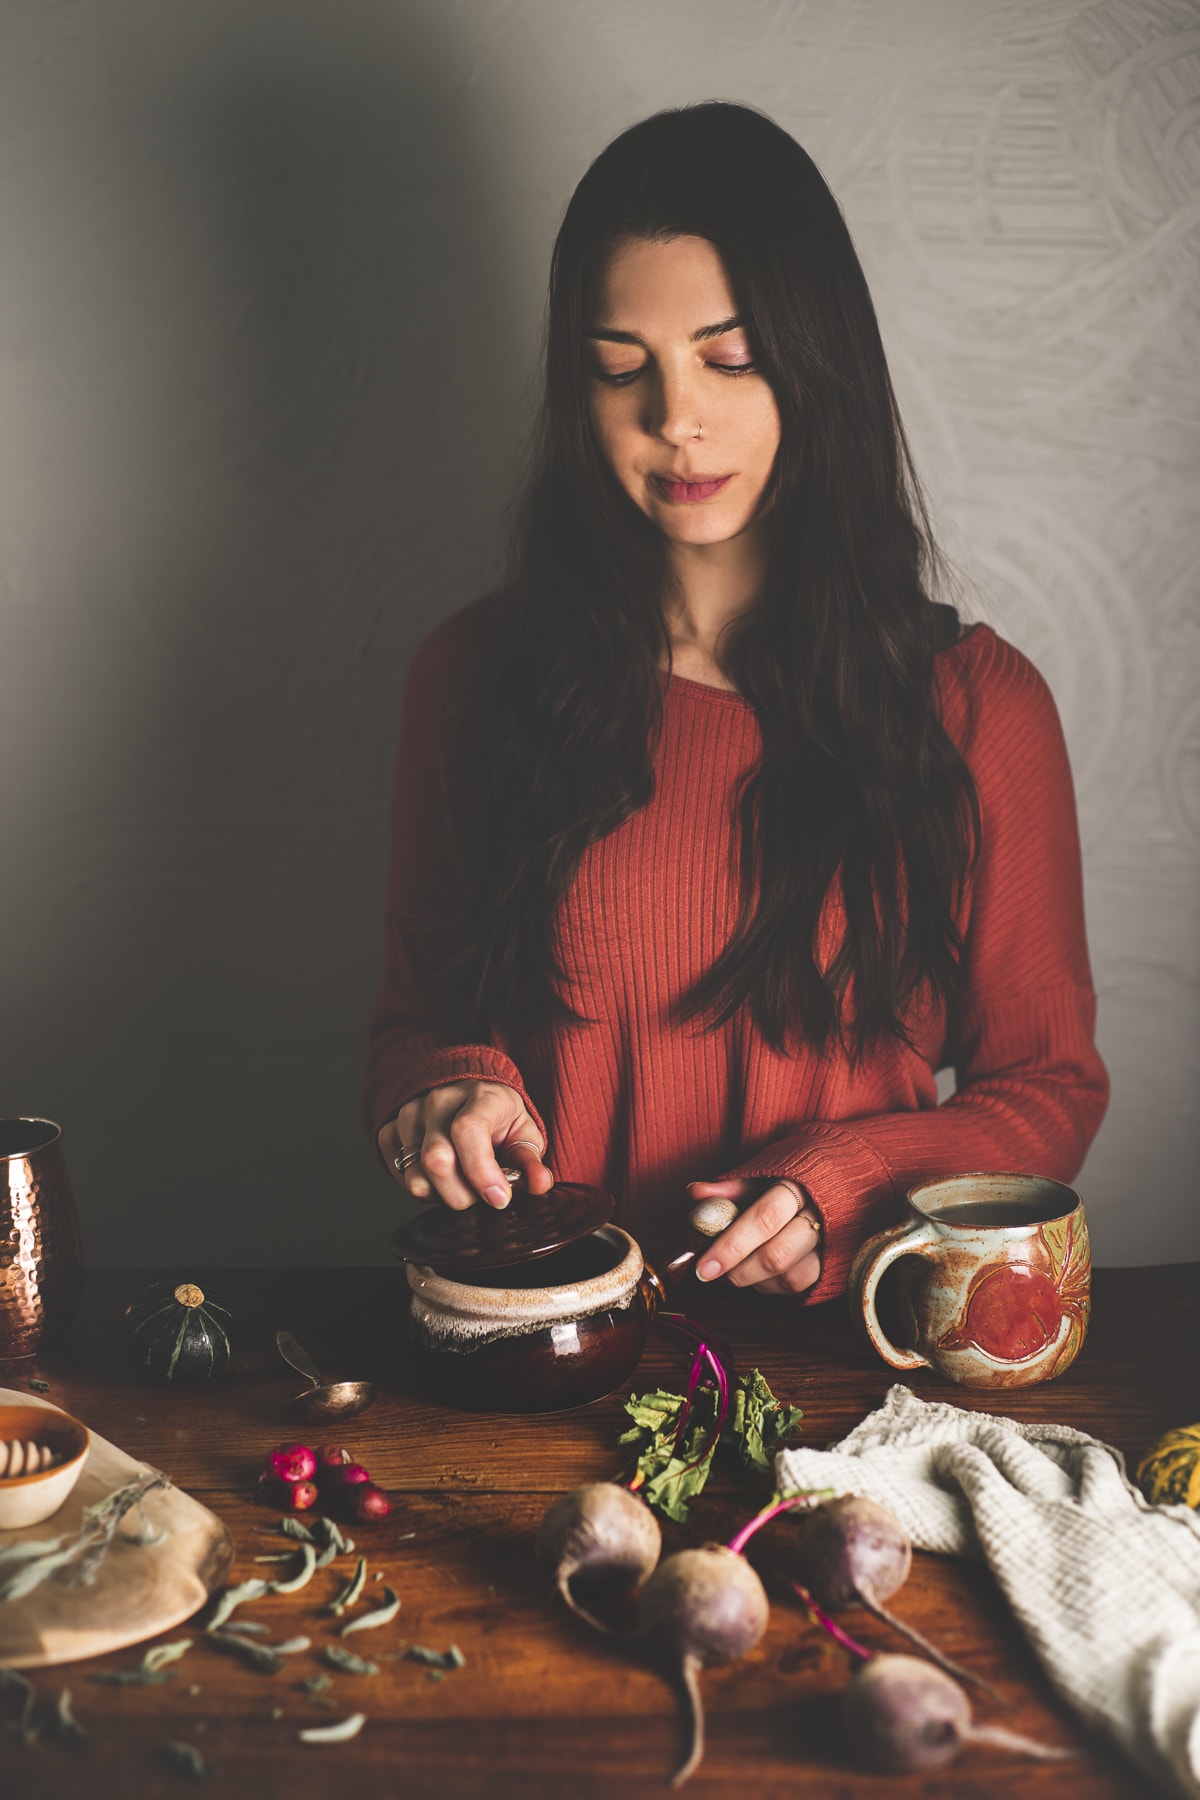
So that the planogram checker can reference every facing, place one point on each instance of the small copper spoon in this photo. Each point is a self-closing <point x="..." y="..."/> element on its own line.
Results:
<point x="325" y="1399"/>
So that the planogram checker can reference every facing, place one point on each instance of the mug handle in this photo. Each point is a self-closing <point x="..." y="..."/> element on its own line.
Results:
<point x="917" y="1238"/>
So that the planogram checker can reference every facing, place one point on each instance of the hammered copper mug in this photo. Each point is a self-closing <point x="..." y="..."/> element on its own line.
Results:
<point x="41" y="1258"/>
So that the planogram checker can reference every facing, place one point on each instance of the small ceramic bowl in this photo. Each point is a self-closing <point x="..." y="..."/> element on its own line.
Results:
<point x="28" y="1499"/>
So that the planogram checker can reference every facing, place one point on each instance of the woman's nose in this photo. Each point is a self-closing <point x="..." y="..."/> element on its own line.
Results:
<point x="674" y="410"/>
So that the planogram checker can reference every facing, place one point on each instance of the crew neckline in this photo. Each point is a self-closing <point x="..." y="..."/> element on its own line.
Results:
<point x="731" y="695"/>
<point x="669" y="679"/>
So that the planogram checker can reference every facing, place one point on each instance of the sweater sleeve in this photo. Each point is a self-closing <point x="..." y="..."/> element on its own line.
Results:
<point x="406" y="1055"/>
<point x="1031" y="1088"/>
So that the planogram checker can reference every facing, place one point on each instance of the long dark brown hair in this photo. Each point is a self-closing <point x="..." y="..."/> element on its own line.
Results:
<point x="859" y="788"/>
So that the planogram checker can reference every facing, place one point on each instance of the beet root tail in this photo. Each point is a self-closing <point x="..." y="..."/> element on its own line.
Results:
<point x="563" y="1585"/>
<point x="690" y="1670"/>
<point x="999" y="1739"/>
<point x="923" y="1644"/>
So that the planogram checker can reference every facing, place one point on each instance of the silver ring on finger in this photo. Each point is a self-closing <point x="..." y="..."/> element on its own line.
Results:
<point x="409" y="1154"/>
<point x="529" y="1145"/>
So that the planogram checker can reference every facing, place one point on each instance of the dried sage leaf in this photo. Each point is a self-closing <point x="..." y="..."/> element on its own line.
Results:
<point x="162" y="1654"/>
<point x="230" y="1598"/>
<point x="381" y="1615"/>
<point x="331" y="1531"/>
<point x="452" y="1658"/>
<point x="334" y="1734"/>
<point x="296" y="1528"/>
<point x="347" y="1661"/>
<point x="250" y="1627"/>
<point x="64" y="1727"/>
<point x="302" y="1577"/>
<point x="291" y="1646"/>
<point x="352" y="1590"/>
<point x="317" y="1684"/>
<point x="39" y="1387"/>
<point x="185" y="1759"/>
<point x="259" y="1656"/>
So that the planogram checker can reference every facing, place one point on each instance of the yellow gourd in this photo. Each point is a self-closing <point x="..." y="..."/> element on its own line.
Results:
<point x="1169" y="1473"/>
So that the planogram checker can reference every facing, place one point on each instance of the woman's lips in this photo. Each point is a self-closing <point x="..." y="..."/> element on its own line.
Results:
<point x="684" y="493"/>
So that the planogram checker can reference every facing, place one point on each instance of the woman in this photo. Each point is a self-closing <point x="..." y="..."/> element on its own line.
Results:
<point x="714" y="837"/>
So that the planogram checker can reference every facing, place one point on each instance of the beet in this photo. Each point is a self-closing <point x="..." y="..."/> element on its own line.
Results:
<point x="704" y="1607"/>
<point x="598" y="1529"/>
<point x="852" y="1550"/>
<point x="902" y="1715"/>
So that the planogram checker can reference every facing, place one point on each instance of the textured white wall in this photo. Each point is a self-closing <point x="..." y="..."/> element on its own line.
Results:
<point x="273" y="277"/>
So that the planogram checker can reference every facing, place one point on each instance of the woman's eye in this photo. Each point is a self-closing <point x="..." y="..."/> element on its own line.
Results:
<point x="622" y="377"/>
<point x="618" y="377"/>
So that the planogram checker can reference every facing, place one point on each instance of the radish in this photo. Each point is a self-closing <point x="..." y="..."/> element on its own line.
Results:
<point x="366" y="1503"/>
<point x="704" y="1606"/>
<point x="598" y="1529"/>
<point x="903" y="1715"/>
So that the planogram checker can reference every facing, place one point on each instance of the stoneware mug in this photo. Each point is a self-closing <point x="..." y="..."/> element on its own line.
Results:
<point x="993" y="1291"/>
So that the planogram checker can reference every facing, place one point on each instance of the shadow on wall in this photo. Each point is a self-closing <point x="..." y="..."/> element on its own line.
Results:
<point x="342" y="385"/>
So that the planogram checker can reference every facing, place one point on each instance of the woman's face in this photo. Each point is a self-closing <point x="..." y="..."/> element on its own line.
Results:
<point x="689" y="426"/>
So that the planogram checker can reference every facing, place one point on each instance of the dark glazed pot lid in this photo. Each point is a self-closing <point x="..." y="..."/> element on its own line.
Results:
<point x="531" y="1225"/>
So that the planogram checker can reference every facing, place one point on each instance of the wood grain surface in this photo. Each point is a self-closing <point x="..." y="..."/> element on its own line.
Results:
<point x="543" y="1706"/>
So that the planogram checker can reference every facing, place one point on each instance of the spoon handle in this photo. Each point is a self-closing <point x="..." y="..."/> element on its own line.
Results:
<point x="297" y="1356"/>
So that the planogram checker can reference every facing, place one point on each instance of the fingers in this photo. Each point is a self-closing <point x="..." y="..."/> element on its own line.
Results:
<point x="734" y="1187"/>
<point x="774" y="1246"/>
<point x="524" y="1149"/>
<point x="798" y="1279"/>
<point x="464" y="1132"/>
<point x="780" y="1255"/>
<point x="395" y="1138"/>
<point x="759" y="1222"/>
<point x="457" y="1154"/>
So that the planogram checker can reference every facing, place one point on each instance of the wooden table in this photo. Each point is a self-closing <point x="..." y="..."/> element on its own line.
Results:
<point x="544" y="1707"/>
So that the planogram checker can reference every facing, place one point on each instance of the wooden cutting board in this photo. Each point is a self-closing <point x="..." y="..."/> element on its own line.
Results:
<point x="139" y="1590"/>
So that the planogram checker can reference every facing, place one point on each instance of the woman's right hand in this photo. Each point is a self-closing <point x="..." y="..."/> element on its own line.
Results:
<point x="463" y="1131"/>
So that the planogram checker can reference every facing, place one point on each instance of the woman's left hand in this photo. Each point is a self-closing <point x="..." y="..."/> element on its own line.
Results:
<point x="774" y="1245"/>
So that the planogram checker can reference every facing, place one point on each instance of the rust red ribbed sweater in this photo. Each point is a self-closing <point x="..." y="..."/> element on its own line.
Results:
<point x="641" y="1106"/>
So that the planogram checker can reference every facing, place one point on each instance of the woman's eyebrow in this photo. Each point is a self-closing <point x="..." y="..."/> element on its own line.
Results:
<point x="631" y="337"/>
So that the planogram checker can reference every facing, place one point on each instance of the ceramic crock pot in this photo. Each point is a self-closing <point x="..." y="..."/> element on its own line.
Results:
<point x="503" y="1328"/>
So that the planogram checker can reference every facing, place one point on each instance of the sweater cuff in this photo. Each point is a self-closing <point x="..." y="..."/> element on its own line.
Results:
<point x="848" y="1182"/>
<point x="457" y="1062"/>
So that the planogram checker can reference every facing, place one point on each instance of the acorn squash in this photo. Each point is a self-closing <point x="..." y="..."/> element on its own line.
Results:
<point x="1169" y="1473"/>
<point x="177" y="1333"/>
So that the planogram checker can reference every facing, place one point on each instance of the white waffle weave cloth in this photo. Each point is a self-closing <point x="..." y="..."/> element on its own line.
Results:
<point x="1105" y="1586"/>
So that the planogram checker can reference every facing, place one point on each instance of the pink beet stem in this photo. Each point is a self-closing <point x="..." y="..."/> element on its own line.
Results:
<point x="689" y="1396"/>
<point x="704" y="1353"/>
<point x="722" y="1384"/>
<point x="801" y="1502"/>
<point x="827" y="1624"/>
<point x="719" y="1375"/>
